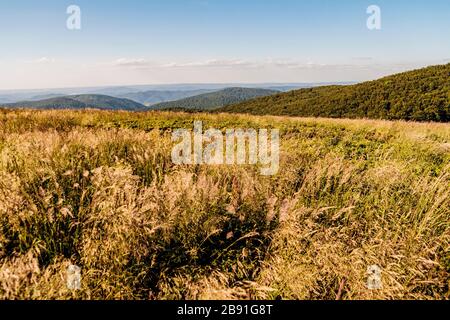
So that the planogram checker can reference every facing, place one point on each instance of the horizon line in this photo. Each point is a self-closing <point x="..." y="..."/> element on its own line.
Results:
<point x="184" y="84"/>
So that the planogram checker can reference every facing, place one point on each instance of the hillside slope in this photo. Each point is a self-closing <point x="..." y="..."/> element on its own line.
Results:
<point x="421" y="95"/>
<point x="151" y="97"/>
<point x="214" y="100"/>
<point x="94" y="101"/>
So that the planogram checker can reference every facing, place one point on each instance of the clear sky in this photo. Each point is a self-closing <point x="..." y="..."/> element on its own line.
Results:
<point x="198" y="41"/>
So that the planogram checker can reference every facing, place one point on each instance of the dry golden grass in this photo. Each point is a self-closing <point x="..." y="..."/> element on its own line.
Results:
<point x="98" y="189"/>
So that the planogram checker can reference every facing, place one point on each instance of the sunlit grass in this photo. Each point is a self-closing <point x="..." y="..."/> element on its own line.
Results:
<point x="98" y="189"/>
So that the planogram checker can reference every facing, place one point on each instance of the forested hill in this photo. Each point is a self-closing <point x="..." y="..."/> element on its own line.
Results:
<point x="214" y="100"/>
<point x="420" y="95"/>
<point x="95" y="101"/>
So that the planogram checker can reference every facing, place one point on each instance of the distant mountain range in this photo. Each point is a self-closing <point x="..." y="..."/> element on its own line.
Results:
<point x="95" y="101"/>
<point x="202" y="101"/>
<point x="217" y="99"/>
<point x="152" y="97"/>
<point x="420" y="95"/>
<point x="145" y="94"/>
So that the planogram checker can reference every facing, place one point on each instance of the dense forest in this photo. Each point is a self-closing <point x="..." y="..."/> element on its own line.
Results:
<point x="420" y="95"/>
<point x="214" y="100"/>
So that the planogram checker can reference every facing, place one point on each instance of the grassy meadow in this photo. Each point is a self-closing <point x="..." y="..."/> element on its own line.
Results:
<point x="98" y="189"/>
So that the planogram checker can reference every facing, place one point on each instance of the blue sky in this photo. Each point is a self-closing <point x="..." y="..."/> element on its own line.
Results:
<point x="174" y="41"/>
